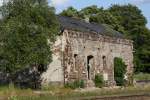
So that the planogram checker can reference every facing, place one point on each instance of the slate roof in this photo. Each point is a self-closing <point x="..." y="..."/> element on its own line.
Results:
<point x="81" y="25"/>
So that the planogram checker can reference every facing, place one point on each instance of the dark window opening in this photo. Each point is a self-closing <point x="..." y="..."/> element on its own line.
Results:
<point x="41" y="68"/>
<point x="75" y="62"/>
<point x="104" y="61"/>
<point x="89" y="65"/>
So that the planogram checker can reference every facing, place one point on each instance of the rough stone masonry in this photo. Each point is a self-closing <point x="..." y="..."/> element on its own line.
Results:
<point x="83" y="50"/>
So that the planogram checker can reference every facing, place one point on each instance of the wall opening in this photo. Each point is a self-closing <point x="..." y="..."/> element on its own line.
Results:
<point x="89" y="65"/>
<point x="75" y="62"/>
<point x="104" y="61"/>
<point x="119" y="71"/>
<point x="41" y="68"/>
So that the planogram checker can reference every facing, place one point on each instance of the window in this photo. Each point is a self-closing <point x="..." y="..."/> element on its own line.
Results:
<point x="104" y="61"/>
<point x="75" y="62"/>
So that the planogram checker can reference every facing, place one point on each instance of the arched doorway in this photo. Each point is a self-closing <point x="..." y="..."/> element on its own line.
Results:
<point x="90" y="62"/>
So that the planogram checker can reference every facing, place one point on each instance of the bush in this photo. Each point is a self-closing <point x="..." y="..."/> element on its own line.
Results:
<point x="119" y="71"/>
<point x="75" y="84"/>
<point x="82" y="85"/>
<point x="99" y="81"/>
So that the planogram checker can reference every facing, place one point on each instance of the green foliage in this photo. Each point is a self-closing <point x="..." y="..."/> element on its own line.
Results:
<point x="119" y="71"/>
<point x="89" y="11"/>
<point x="75" y="84"/>
<point x="99" y="81"/>
<point x="142" y="54"/>
<point x="70" y="12"/>
<point x="134" y="23"/>
<point x="25" y="28"/>
<point x="129" y="14"/>
<point x="105" y="17"/>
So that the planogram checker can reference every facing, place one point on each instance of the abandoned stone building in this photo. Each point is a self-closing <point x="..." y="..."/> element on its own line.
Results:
<point x="85" y="49"/>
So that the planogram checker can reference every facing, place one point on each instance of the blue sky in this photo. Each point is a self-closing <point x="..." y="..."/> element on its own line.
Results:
<point x="60" y="5"/>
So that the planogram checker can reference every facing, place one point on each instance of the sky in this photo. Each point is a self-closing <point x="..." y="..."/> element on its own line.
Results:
<point x="60" y="5"/>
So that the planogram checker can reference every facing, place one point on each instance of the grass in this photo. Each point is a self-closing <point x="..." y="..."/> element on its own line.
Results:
<point x="142" y="76"/>
<point x="60" y="93"/>
<point x="9" y="91"/>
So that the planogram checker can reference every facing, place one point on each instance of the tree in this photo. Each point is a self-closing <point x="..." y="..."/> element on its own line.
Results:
<point x="89" y="11"/>
<point x="134" y="23"/>
<point x="142" y="54"/>
<point x="70" y="12"/>
<point x="129" y="16"/>
<point x="26" y="27"/>
<point x="105" y="17"/>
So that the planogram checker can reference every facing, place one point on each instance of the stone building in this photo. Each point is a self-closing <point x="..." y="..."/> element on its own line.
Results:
<point x="85" y="49"/>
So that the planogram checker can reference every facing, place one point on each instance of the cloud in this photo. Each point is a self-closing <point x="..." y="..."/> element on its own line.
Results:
<point x="140" y="1"/>
<point x="58" y="2"/>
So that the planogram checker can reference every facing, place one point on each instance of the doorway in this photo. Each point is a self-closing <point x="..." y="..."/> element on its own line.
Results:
<point x="89" y="65"/>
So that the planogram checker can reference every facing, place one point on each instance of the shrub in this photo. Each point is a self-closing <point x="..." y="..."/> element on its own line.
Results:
<point x="119" y="71"/>
<point x="99" y="81"/>
<point x="75" y="84"/>
<point x="82" y="85"/>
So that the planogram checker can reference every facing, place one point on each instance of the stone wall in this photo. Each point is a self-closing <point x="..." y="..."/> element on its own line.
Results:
<point x="101" y="49"/>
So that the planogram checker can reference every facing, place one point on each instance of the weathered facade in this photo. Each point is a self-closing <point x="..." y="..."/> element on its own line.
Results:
<point x="83" y="50"/>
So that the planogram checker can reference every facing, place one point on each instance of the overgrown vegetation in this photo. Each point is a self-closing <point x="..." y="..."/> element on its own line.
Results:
<point x="99" y="81"/>
<point x="75" y="84"/>
<point x="119" y="71"/>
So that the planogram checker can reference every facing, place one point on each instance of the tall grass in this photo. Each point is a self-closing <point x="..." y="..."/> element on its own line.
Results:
<point x="10" y="90"/>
